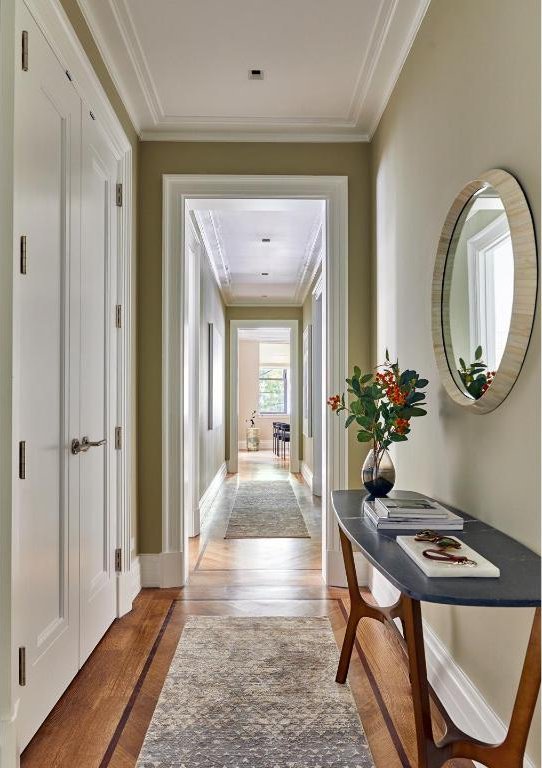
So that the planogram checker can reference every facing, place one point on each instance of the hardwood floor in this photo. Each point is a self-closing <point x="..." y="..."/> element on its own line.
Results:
<point x="101" y="720"/>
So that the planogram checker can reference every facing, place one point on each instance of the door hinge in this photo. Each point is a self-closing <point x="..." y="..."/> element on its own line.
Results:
<point x="118" y="316"/>
<point x="118" y="438"/>
<point x="119" y="195"/>
<point x="23" y="254"/>
<point x="118" y="560"/>
<point x="22" y="460"/>
<point x="69" y="76"/>
<point x="22" y="665"/>
<point x="24" y="58"/>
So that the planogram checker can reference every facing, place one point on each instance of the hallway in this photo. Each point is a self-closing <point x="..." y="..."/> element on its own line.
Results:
<point x="102" y="718"/>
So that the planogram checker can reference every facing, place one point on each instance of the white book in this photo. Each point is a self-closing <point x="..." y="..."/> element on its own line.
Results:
<point x="381" y="521"/>
<point x="414" y="549"/>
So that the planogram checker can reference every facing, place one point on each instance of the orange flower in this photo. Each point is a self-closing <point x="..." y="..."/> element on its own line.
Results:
<point x="396" y="395"/>
<point x="401" y="425"/>
<point x="334" y="402"/>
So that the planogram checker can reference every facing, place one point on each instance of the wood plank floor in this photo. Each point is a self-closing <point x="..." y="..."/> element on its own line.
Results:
<point x="101" y="720"/>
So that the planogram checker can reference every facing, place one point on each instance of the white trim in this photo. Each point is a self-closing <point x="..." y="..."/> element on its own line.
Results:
<point x="277" y="136"/>
<point x="55" y="25"/>
<point x="8" y="663"/>
<point x="463" y="701"/>
<point x="128" y="587"/>
<point x="306" y="472"/>
<point x="209" y="495"/>
<point x="163" y="570"/>
<point x="235" y="326"/>
<point x="176" y="190"/>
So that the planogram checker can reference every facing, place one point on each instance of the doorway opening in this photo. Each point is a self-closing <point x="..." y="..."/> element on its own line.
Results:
<point x="264" y="375"/>
<point x="311" y="428"/>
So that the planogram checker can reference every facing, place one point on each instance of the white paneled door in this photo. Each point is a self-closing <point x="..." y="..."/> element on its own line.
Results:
<point x="97" y="384"/>
<point x="64" y="372"/>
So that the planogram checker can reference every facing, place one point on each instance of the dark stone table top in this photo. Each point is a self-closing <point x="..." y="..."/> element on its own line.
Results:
<point x="518" y="585"/>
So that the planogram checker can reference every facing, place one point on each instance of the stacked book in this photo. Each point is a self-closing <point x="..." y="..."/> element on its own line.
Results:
<point x="410" y="514"/>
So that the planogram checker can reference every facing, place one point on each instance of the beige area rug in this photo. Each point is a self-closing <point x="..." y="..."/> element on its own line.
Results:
<point x="255" y="693"/>
<point x="266" y="510"/>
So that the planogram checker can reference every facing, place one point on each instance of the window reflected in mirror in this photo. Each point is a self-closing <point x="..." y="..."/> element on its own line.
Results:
<point x="478" y="293"/>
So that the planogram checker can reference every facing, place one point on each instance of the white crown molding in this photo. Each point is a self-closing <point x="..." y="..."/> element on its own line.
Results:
<point x="277" y="135"/>
<point x="311" y="262"/>
<point x="394" y="31"/>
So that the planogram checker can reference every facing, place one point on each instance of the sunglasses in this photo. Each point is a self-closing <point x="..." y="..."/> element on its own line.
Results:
<point x="444" y="543"/>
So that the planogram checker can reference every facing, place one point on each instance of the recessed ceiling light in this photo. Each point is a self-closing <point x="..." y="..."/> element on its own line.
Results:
<point x="264" y="296"/>
<point x="264" y="274"/>
<point x="266" y="239"/>
<point x="255" y="74"/>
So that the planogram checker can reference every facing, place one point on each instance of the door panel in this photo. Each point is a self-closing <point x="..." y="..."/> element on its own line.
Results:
<point x="98" y="277"/>
<point x="47" y="163"/>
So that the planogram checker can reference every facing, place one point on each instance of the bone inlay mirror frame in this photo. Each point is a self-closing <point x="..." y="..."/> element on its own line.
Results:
<point x="524" y="291"/>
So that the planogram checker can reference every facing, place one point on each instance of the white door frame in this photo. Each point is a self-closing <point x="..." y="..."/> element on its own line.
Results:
<point x="293" y="327"/>
<point x="176" y="190"/>
<point x="317" y="453"/>
<point x="56" y="27"/>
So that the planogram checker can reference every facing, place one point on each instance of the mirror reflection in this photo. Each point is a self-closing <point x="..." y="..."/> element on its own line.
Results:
<point x="478" y="293"/>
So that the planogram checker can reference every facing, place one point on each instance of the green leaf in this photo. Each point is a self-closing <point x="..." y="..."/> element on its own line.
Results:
<point x="357" y="372"/>
<point x="421" y="383"/>
<point x="356" y="387"/>
<point x="349" y="420"/>
<point x="462" y="364"/>
<point x="364" y="421"/>
<point x="364" y="437"/>
<point x="366" y="378"/>
<point x="415" y="397"/>
<point x="478" y="353"/>
<point x="408" y="413"/>
<point x="397" y="438"/>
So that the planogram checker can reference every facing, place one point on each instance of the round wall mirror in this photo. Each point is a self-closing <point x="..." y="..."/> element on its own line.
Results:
<point x="484" y="291"/>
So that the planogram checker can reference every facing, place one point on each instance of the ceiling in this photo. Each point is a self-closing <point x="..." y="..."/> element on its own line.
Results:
<point x="182" y="66"/>
<point x="264" y="335"/>
<point x="233" y="231"/>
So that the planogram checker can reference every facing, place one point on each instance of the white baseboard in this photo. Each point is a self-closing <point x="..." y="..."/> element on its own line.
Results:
<point x="212" y="489"/>
<point x="9" y="749"/>
<point x="463" y="701"/>
<point x="335" y="573"/>
<point x="128" y="587"/>
<point x="306" y="471"/>
<point x="164" y="569"/>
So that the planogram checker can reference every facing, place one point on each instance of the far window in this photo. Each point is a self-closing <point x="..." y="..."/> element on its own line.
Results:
<point x="273" y="390"/>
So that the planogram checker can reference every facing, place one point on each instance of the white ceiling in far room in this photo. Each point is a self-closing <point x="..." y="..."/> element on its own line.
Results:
<point x="261" y="251"/>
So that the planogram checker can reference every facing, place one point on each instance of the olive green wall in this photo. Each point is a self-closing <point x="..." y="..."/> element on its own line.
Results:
<point x="467" y="100"/>
<point x="77" y="20"/>
<point x="157" y="158"/>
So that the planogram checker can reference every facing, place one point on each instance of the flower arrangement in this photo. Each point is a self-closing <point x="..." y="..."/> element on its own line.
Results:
<point x="382" y="405"/>
<point x="475" y="376"/>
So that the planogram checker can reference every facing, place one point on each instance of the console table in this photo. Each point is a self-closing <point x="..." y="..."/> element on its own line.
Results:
<point x="517" y="586"/>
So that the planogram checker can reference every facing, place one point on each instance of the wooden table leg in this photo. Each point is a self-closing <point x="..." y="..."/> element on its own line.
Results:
<point x="455" y="743"/>
<point x="358" y="609"/>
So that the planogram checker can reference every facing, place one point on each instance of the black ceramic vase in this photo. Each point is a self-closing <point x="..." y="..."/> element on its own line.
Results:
<point x="378" y="473"/>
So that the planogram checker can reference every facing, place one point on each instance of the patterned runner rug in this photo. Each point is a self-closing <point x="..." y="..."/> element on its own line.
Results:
<point x="255" y="692"/>
<point x="266" y="510"/>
